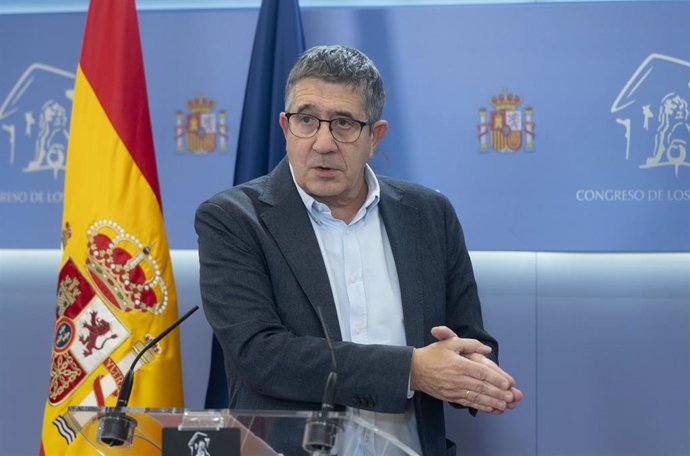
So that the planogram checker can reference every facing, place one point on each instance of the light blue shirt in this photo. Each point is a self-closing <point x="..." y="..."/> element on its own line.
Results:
<point x="362" y="274"/>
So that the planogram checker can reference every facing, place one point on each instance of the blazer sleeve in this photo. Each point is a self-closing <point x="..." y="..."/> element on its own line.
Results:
<point x="463" y="308"/>
<point x="271" y="336"/>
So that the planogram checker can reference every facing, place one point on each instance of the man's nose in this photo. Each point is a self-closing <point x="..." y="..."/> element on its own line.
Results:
<point x="323" y="139"/>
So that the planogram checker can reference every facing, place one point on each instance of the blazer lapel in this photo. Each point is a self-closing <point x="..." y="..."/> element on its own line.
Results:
<point x="402" y="227"/>
<point x="287" y="220"/>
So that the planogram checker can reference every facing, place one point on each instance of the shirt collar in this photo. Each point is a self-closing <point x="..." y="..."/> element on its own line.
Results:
<point x="316" y="208"/>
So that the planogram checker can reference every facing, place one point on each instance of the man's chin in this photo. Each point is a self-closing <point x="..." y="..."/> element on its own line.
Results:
<point x="324" y="190"/>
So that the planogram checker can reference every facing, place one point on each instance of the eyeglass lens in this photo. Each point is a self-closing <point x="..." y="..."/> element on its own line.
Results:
<point x="342" y="128"/>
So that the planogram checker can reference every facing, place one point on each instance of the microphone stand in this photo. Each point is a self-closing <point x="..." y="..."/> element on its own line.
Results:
<point x="320" y="430"/>
<point x="115" y="427"/>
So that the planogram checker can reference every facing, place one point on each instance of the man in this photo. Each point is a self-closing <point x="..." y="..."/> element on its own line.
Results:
<point x="383" y="260"/>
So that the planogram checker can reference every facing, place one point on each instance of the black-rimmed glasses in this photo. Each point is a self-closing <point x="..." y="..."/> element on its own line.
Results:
<point x="343" y="129"/>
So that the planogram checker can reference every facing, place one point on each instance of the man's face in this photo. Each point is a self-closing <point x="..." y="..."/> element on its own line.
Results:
<point x="330" y="171"/>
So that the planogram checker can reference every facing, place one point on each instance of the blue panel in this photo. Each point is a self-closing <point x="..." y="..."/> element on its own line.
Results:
<point x="189" y="56"/>
<point x="39" y="57"/>
<point x="599" y="344"/>
<point x="28" y="279"/>
<point x="613" y="354"/>
<point x="443" y="64"/>
<point x="507" y="286"/>
<point x="586" y="70"/>
<point x="195" y="333"/>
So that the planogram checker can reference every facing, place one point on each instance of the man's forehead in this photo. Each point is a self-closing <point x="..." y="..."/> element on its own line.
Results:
<point x="311" y="94"/>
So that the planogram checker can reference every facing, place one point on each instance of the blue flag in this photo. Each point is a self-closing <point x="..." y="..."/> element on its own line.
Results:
<point x="278" y="42"/>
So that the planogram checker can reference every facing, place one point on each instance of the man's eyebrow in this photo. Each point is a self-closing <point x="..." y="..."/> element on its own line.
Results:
<point x="332" y="114"/>
<point x="344" y="114"/>
<point x="305" y="107"/>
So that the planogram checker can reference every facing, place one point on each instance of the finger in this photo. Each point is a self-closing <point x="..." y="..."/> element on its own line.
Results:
<point x="467" y="346"/>
<point x="483" y="374"/>
<point x="489" y="363"/>
<point x="488" y="403"/>
<point x="489" y="394"/>
<point x="442" y="332"/>
<point x="483" y="402"/>
<point x="517" y="394"/>
<point x="470" y="399"/>
<point x="477" y="384"/>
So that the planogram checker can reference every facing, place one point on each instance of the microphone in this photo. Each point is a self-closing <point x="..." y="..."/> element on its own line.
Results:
<point x="115" y="428"/>
<point x="320" y="430"/>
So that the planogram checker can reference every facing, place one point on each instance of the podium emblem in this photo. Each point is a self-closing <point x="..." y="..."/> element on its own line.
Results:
<point x="201" y="442"/>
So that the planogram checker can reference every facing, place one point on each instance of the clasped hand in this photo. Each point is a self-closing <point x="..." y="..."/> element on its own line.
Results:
<point x="457" y="370"/>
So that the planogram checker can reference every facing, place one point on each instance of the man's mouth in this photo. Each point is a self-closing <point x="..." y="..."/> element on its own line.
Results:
<point x="324" y="170"/>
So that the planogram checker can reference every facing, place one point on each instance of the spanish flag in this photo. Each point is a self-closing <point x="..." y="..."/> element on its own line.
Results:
<point x="115" y="286"/>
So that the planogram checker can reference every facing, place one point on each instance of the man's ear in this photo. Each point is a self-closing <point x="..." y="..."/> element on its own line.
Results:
<point x="378" y="131"/>
<point x="282" y="119"/>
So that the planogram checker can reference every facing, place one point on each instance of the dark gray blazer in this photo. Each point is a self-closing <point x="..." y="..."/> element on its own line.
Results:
<point x="262" y="277"/>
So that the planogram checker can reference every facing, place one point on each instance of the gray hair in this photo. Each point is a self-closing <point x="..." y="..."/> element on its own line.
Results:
<point x="343" y="65"/>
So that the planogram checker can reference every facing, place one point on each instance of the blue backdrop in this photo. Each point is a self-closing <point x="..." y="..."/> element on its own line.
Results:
<point x="599" y="342"/>
<point x="599" y="164"/>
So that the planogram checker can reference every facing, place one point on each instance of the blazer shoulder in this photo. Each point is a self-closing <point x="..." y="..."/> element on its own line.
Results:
<point x="239" y="195"/>
<point x="272" y="189"/>
<point x="414" y="194"/>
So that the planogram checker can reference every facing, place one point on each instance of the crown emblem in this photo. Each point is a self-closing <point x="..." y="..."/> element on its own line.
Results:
<point x="506" y="101"/>
<point x="200" y="104"/>
<point x="506" y="127"/>
<point x="202" y="128"/>
<point x="124" y="270"/>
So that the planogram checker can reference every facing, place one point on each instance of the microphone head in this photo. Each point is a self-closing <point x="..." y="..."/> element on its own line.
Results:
<point x="116" y="429"/>
<point x="319" y="436"/>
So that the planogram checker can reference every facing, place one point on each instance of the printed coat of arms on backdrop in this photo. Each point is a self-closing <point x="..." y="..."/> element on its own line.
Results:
<point x="505" y="127"/>
<point x="203" y="128"/>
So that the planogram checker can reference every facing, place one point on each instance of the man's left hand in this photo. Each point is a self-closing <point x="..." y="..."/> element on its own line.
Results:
<point x="444" y="332"/>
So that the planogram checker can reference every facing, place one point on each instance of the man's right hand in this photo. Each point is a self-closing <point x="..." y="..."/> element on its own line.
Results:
<point x="456" y="370"/>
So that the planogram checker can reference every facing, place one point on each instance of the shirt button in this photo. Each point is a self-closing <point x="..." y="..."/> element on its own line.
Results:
<point x="348" y="231"/>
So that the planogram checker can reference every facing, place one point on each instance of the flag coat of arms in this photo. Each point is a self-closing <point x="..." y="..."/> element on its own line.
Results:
<point x="115" y="288"/>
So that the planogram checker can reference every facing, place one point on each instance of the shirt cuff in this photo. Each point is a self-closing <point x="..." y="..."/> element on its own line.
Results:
<point x="410" y="391"/>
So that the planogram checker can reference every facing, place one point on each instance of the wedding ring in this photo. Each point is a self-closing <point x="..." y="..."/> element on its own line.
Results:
<point x="467" y="394"/>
